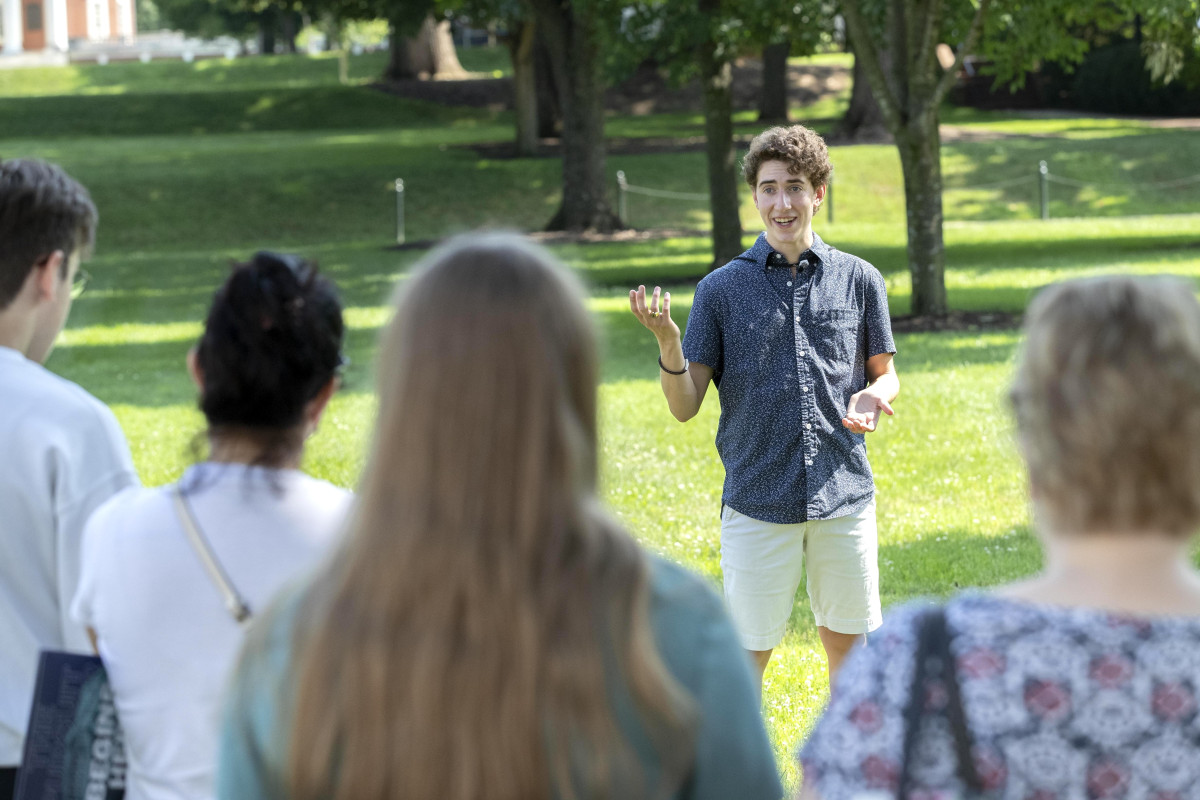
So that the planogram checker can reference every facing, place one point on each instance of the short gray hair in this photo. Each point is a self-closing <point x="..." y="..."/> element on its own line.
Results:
<point x="1107" y="404"/>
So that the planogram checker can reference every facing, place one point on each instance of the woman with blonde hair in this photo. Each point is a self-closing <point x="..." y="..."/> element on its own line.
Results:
<point x="487" y="631"/>
<point x="1081" y="682"/>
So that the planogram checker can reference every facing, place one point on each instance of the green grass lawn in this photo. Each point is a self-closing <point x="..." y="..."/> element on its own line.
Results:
<point x="194" y="165"/>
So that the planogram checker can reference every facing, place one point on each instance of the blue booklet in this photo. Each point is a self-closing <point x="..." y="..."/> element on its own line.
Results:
<point x="74" y="749"/>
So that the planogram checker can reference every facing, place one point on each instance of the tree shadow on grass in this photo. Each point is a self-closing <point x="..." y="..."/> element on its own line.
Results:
<point x="234" y="111"/>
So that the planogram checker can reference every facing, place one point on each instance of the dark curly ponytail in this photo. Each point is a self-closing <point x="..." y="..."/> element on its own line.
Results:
<point x="272" y="341"/>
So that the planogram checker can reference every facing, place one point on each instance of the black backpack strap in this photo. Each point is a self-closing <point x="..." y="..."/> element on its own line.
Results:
<point x="934" y="659"/>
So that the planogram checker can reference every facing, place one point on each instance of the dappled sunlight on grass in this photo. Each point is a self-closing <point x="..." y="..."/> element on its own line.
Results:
<point x="174" y="75"/>
<point x="291" y="161"/>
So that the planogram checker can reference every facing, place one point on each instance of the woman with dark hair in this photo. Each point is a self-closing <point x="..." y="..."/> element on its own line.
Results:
<point x="486" y="631"/>
<point x="1083" y="681"/>
<point x="170" y="574"/>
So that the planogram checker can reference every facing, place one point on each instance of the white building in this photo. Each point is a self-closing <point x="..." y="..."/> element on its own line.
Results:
<point x="53" y="25"/>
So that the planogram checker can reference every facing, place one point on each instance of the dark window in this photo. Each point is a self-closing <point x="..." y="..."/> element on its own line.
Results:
<point x="33" y="17"/>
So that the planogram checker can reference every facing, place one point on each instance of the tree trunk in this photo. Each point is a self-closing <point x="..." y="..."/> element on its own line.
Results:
<point x="400" y="57"/>
<point x="443" y="58"/>
<point x="863" y="120"/>
<point x="268" y="19"/>
<point x="289" y="27"/>
<point x="430" y="53"/>
<point x="920" y="159"/>
<point x="521" y="46"/>
<point x="549" y="108"/>
<point x="773" y="103"/>
<point x="717" y="75"/>
<point x="333" y="33"/>
<point x="572" y="37"/>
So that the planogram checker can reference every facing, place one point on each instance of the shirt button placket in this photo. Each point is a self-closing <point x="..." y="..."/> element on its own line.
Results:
<point x="806" y="412"/>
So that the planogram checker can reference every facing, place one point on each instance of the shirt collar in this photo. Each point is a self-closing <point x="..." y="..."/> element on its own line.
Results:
<point x="769" y="258"/>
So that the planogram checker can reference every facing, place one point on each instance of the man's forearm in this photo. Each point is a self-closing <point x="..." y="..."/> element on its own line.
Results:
<point x="886" y="386"/>
<point x="680" y="390"/>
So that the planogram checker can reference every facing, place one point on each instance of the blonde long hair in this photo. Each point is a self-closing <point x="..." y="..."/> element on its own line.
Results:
<point x="465" y="642"/>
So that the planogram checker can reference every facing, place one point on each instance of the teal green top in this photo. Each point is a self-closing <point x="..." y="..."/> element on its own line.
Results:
<point x="697" y="642"/>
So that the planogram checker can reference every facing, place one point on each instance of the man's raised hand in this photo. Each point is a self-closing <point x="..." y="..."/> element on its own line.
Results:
<point x="654" y="313"/>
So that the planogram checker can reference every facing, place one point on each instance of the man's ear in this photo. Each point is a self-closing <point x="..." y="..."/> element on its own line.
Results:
<point x="48" y="275"/>
<point x="821" y="192"/>
<point x="194" y="369"/>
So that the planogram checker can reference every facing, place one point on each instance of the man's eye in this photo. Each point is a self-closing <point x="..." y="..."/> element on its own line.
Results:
<point x="795" y="189"/>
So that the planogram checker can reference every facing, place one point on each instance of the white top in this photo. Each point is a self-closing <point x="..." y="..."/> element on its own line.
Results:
<point x="62" y="454"/>
<point x="165" y="635"/>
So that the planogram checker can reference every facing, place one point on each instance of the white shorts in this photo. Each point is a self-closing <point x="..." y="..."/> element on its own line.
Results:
<point x="762" y="564"/>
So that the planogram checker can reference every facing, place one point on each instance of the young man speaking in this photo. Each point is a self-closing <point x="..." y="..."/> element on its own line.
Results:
<point x="797" y="338"/>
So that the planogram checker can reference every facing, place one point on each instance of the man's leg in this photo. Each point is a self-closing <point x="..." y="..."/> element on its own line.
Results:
<point x="837" y="647"/>
<point x="762" y="564"/>
<point x="842" y="556"/>
<point x="760" y="658"/>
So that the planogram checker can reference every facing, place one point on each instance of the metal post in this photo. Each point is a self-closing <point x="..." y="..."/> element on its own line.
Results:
<point x="1044" y="186"/>
<point x="829" y="199"/>
<point x="399" y="211"/>
<point x="622" y="188"/>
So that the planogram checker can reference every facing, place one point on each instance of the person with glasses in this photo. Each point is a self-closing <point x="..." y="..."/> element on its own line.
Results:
<point x="63" y="451"/>
<point x="170" y="575"/>
<point x="80" y="282"/>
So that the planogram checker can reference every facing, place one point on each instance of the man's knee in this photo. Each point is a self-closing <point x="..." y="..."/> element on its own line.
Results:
<point x="839" y="643"/>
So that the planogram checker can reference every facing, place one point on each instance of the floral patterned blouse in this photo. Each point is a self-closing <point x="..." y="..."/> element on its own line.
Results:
<point x="1062" y="704"/>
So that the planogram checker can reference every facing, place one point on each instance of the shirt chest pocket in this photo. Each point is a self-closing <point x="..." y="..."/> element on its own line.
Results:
<point x="834" y="332"/>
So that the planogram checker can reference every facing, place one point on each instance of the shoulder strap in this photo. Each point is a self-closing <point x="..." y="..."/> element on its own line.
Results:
<point x="237" y="606"/>
<point x="934" y="658"/>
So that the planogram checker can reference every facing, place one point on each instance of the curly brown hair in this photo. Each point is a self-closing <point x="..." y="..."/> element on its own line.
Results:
<point x="801" y="148"/>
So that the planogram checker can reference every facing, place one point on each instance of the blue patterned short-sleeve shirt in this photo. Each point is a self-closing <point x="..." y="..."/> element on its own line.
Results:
<point x="787" y="353"/>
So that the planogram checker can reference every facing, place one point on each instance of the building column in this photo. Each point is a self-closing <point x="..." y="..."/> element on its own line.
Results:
<point x="14" y="27"/>
<point x="125" y="19"/>
<point x="56" y="25"/>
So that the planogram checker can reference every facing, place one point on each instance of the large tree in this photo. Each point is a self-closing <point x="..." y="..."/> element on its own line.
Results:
<point x="863" y="120"/>
<point x="535" y="86"/>
<point x="703" y="46"/>
<point x="1015" y="36"/>
<point x="429" y="50"/>
<point x="573" y="33"/>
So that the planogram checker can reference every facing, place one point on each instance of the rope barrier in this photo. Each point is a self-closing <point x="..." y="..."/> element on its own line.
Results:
<point x="1044" y="178"/>
<point x="997" y="185"/>
<point x="664" y="194"/>
<point x="1135" y="187"/>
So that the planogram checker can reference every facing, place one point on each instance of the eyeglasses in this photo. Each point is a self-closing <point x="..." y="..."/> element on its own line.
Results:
<point x="82" y="276"/>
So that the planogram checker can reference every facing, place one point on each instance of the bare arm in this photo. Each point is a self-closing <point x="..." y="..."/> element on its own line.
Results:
<point x="883" y="386"/>
<point x="684" y="392"/>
